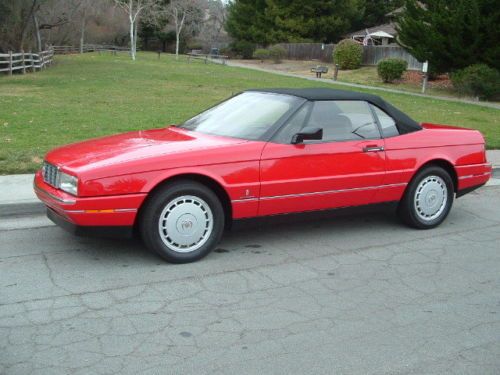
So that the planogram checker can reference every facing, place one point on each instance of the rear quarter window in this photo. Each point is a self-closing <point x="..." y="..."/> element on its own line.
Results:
<point x="387" y="123"/>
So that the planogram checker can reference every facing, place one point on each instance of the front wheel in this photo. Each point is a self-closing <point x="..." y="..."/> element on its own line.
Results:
<point x="182" y="222"/>
<point x="428" y="198"/>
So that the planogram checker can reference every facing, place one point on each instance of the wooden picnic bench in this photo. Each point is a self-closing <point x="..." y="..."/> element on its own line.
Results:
<point x="319" y="70"/>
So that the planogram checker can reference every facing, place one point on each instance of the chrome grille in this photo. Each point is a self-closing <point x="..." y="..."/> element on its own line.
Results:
<point x="50" y="174"/>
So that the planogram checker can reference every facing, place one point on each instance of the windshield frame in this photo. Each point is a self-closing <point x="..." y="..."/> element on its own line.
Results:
<point x="267" y="135"/>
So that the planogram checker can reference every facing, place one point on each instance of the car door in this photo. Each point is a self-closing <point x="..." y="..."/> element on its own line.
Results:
<point x="344" y="168"/>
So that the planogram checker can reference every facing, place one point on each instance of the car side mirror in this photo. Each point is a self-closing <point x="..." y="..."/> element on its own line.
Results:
<point x="308" y="133"/>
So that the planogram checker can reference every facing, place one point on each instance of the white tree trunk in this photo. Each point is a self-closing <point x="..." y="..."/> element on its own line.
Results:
<point x="37" y="31"/>
<point x="178" y="29"/>
<point x="135" y="34"/>
<point x="177" y="45"/>
<point x="132" y="41"/>
<point x="82" y="32"/>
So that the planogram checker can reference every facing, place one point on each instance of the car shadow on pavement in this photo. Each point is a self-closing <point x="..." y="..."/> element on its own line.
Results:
<point x="358" y="216"/>
<point x="129" y="251"/>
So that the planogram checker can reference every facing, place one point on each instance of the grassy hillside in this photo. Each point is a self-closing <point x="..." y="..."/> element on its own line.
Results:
<point x="91" y="95"/>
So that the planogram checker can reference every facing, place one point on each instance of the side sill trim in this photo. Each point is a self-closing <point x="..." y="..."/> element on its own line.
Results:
<point x="319" y="193"/>
<point x="115" y="210"/>
<point x="475" y="175"/>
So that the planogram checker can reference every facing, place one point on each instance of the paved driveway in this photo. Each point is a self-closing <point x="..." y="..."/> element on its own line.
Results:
<point x="347" y="294"/>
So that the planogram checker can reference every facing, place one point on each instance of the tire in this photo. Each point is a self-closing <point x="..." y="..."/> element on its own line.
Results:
<point x="182" y="222"/>
<point x="428" y="198"/>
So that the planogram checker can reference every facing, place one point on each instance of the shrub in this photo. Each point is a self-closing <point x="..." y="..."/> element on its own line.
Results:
<point x="194" y="45"/>
<point x="348" y="54"/>
<point x="277" y="53"/>
<point x="479" y="81"/>
<point x="391" y="69"/>
<point x="261" y="54"/>
<point x="243" y="48"/>
<point x="226" y="51"/>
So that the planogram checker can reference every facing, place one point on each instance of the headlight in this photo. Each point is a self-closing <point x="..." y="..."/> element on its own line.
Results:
<point x="68" y="183"/>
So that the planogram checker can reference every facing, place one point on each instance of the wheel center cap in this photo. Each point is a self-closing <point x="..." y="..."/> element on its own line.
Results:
<point x="186" y="224"/>
<point x="432" y="198"/>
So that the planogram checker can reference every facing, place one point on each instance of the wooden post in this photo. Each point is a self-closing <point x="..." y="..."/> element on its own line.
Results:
<point x="31" y="61"/>
<point x="159" y="52"/>
<point x="425" y="70"/>
<point x="24" y="66"/>
<point x="335" y="72"/>
<point x="424" y="83"/>
<point x="10" y="63"/>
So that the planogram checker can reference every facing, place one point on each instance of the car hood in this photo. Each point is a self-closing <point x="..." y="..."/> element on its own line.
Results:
<point x="133" y="147"/>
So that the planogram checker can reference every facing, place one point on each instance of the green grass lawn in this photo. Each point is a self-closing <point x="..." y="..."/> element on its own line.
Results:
<point x="91" y="95"/>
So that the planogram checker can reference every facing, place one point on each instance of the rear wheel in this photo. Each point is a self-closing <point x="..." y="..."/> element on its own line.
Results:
<point x="182" y="222"/>
<point x="428" y="198"/>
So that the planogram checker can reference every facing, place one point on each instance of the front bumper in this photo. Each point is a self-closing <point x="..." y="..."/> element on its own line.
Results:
<point x="102" y="211"/>
<point x="90" y="231"/>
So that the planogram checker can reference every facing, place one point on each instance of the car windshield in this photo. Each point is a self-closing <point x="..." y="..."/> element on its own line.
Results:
<point x="248" y="115"/>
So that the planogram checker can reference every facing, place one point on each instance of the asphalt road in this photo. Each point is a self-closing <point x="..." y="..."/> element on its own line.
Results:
<point x="341" y="294"/>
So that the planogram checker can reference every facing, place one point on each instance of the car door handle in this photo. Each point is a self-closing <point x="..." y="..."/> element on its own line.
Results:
<point x="373" y="148"/>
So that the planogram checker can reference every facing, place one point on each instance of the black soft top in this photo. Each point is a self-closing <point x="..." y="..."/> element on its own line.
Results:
<point x="404" y="123"/>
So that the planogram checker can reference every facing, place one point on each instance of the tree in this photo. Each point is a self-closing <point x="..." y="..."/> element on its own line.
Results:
<point x="316" y="20"/>
<point x="214" y="23"/>
<point x="183" y="13"/>
<point x="272" y="21"/>
<point x="86" y="9"/>
<point x="147" y="30"/>
<point x="54" y="14"/>
<point x="247" y="21"/>
<point x="376" y="12"/>
<point x="73" y="22"/>
<point x="451" y="35"/>
<point x="165" y="37"/>
<point x="31" y="24"/>
<point x="16" y="23"/>
<point x="134" y="9"/>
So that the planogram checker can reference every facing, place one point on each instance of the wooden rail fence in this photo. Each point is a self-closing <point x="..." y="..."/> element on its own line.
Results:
<point x="371" y="54"/>
<point x="221" y="59"/>
<point x="25" y="61"/>
<point x="64" y="50"/>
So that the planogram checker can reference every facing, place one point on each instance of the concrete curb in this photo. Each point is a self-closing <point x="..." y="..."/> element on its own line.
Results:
<point x="22" y="209"/>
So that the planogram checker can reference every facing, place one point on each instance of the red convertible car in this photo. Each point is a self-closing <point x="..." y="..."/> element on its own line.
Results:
<point x="261" y="152"/>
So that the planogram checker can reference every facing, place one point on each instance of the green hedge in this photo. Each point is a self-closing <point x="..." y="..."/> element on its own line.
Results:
<point x="391" y="69"/>
<point x="261" y="54"/>
<point x="348" y="54"/>
<point x="243" y="48"/>
<point x="479" y="81"/>
<point x="277" y="53"/>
